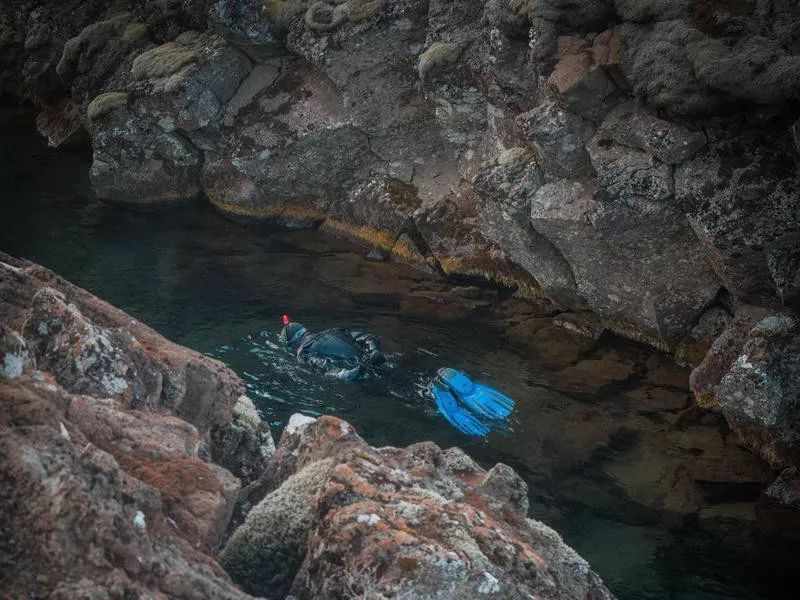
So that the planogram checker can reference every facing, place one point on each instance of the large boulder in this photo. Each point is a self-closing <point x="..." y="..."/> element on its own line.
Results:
<point x="635" y="263"/>
<point x="293" y="185"/>
<point x="344" y="519"/>
<point x="103" y="530"/>
<point x="506" y="189"/>
<point x="760" y="394"/>
<point x="559" y="137"/>
<point x="742" y="196"/>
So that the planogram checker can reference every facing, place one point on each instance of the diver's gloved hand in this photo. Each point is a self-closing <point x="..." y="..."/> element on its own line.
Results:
<point x="375" y="358"/>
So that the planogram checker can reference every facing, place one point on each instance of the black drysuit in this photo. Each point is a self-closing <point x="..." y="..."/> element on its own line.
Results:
<point x="340" y="353"/>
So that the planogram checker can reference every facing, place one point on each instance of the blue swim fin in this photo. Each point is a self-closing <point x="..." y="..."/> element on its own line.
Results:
<point x="480" y="398"/>
<point x="457" y="416"/>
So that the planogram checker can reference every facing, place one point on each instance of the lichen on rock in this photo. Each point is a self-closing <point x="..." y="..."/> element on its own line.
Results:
<point x="162" y="61"/>
<point x="345" y="519"/>
<point x="106" y="103"/>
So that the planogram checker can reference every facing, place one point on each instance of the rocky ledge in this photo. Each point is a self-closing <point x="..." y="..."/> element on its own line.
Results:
<point x="341" y="519"/>
<point x="123" y="457"/>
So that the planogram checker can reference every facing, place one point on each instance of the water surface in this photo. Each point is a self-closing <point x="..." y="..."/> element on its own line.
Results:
<point x="657" y="496"/>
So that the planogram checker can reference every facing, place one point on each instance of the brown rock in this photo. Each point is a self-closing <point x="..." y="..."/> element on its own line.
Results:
<point x="416" y="520"/>
<point x="66" y="503"/>
<point x="93" y="347"/>
<point x="549" y="344"/>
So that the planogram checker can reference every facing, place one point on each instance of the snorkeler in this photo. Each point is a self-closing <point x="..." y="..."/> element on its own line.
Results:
<point x="472" y="408"/>
<point x="341" y="353"/>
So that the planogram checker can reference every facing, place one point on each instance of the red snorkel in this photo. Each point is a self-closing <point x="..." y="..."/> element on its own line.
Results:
<point x="285" y="319"/>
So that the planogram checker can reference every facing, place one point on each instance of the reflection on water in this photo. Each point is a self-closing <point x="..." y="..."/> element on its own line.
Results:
<point x="656" y="495"/>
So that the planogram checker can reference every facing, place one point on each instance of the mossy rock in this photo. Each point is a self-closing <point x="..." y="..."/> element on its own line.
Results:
<point x="162" y="61"/>
<point x="94" y="38"/>
<point x="325" y="17"/>
<point x="105" y="104"/>
<point x="514" y="157"/>
<point x="361" y="10"/>
<point x="437" y="56"/>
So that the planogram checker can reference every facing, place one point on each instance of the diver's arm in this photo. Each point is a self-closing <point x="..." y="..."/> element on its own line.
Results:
<point x="371" y="343"/>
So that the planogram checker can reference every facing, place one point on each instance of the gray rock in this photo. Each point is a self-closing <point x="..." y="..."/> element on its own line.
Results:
<point x="636" y="246"/>
<point x="460" y="106"/>
<point x="785" y="490"/>
<point x="150" y="151"/>
<point x="783" y="261"/>
<point x="724" y="350"/>
<point x="15" y="359"/>
<point x="592" y="15"/>
<point x="88" y="359"/>
<point x="244" y="445"/>
<point x="759" y="394"/>
<point x="294" y="185"/>
<point x="379" y="211"/>
<point x="184" y="85"/>
<point x="505" y="191"/>
<point x="510" y="15"/>
<point x="246" y="24"/>
<point x="560" y="138"/>
<point x="743" y="200"/>
<point x="627" y="173"/>
<point x="692" y="350"/>
<point x="670" y="143"/>
<point x="135" y="161"/>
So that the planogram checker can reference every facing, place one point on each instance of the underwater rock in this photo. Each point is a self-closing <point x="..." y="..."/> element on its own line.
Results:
<point x="419" y="521"/>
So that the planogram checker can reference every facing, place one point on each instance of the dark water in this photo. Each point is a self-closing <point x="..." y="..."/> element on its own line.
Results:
<point x="605" y="455"/>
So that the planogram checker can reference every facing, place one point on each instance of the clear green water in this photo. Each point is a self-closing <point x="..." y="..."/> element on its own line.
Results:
<point x="593" y="460"/>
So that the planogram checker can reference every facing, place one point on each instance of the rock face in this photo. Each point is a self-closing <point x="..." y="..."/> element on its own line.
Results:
<point x="760" y="393"/>
<point x="342" y="519"/>
<point x="458" y="138"/>
<point x="100" y="478"/>
<point x="94" y="348"/>
<point x="750" y="375"/>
